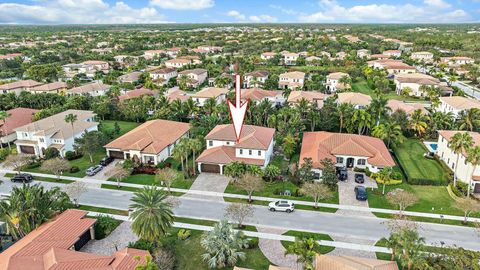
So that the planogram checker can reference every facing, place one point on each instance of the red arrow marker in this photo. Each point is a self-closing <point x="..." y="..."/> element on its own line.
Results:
<point x="237" y="111"/>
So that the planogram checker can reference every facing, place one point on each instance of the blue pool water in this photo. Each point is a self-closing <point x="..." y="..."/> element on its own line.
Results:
<point x="431" y="146"/>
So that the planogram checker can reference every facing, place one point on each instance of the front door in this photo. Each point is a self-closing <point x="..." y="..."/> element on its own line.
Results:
<point x="476" y="189"/>
<point x="350" y="162"/>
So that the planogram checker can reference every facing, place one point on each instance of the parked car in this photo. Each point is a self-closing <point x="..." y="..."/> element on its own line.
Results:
<point x="281" y="205"/>
<point x="359" y="178"/>
<point x="342" y="174"/>
<point x="94" y="170"/>
<point x="22" y="177"/>
<point x="106" y="160"/>
<point x="361" y="193"/>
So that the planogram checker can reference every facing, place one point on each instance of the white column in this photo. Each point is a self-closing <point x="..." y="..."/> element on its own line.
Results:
<point x="221" y="169"/>
<point x="199" y="167"/>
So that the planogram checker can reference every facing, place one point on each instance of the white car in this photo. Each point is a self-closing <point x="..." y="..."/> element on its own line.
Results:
<point x="281" y="205"/>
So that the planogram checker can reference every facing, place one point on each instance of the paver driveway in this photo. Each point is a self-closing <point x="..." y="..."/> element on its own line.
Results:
<point x="209" y="182"/>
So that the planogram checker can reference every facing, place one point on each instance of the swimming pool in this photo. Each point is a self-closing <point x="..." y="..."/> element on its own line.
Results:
<point x="431" y="146"/>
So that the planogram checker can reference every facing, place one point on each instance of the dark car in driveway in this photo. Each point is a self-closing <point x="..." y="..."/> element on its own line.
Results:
<point x="361" y="193"/>
<point x="22" y="177"/>
<point x="359" y="178"/>
<point x="106" y="160"/>
<point x="342" y="174"/>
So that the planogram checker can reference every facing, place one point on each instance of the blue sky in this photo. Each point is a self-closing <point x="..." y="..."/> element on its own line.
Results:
<point x="250" y="11"/>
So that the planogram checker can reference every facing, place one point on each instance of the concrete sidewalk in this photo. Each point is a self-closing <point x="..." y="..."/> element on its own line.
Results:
<point x="278" y="237"/>
<point x="267" y="199"/>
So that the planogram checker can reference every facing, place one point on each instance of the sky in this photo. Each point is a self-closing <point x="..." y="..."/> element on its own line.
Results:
<point x="234" y="11"/>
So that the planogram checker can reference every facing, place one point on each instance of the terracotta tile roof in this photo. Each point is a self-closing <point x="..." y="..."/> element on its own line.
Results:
<point x="417" y="78"/>
<point x="175" y="93"/>
<point x="18" y="117"/>
<point x="136" y="93"/>
<point x="88" y="88"/>
<point x="311" y="96"/>
<point x="163" y="71"/>
<point x="94" y="62"/>
<point x="331" y="262"/>
<point x="293" y="75"/>
<point x="258" y="94"/>
<point x="258" y="73"/>
<point x="252" y="137"/>
<point x="408" y="108"/>
<point x="151" y="137"/>
<point x="321" y="145"/>
<point x="50" y="87"/>
<point x="337" y="75"/>
<point x="354" y="98"/>
<point x="210" y="92"/>
<point x="20" y="84"/>
<point x="461" y="103"/>
<point x="48" y="248"/>
<point x="225" y="155"/>
<point x="197" y="71"/>
<point x="448" y="134"/>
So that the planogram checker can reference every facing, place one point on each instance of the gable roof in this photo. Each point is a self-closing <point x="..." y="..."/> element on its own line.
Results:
<point x="252" y="137"/>
<point x="48" y="248"/>
<point x="408" y="108"/>
<point x="88" y="88"/>
<point x="50" y="87"/>
<point x="321" y="145"/>
<point x="225" y="155"/>
<point x="311" y="96"/>
<point x="151" y="137"/>
<point x="461" y="103"/>
<point x="19" y="84"/>
<point x="210" y="92"/>
<point x="136" y="93"/>
<point x="258" y="94"/>
<point x="354" y="98"/>
<point x="417" y="78"/>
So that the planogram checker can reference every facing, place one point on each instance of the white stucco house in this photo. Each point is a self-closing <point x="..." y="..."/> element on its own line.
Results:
<point x="457" y="104"/>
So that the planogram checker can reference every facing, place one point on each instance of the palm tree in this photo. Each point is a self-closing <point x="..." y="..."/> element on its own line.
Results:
<point x="473" y="156"/>
<point x="71" y="118"/>
<point x="3" y="117"/>
<point x="363" y="120"/>
<point x="223" y="245"/>
<point x="195" y="146"/>
<point x="417" y="122"/>
<point x="178" y="153"/>
<point x="393" y="244"/>
<point x="306" y="251"/>
<point x="152" y="215"/>
<point x="344" y="111"/>
<point x="469" y="119"/>
<point x="378" y="108"/>
<point x="459" y="143"/>
<point x="390" y="132"/>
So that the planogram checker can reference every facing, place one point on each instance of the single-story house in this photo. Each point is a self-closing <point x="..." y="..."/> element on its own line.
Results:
<point x="358" y="100"/>
<point x="311" y="96"/>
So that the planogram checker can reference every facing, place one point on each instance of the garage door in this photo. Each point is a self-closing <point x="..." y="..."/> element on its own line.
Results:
<point x="477" y="188"/>
<point x="116" y="154"/>
<point x="27" y="149"/>
<point x="211" y="168"/>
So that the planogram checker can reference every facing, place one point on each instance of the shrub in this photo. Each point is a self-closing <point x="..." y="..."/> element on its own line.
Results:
<point x="253" y="243"/>
<point x="51" y="152"/>
<point x="144" y="170"/>
<point x="4" y="152"/>
<point x="183" y="234"/>
<point x="104" y="226"/>
<point x="426" y="182"/>
<point x="460" y="190"/>
<point x="74" y="169"/>
<point x="71" y="155"/>
<point x="143" y="245"/>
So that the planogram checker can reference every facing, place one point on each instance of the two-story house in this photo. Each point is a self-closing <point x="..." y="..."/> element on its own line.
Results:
<point x="457" y="104"/>
<point x="267" y="55"/>
<point x="392" y="66"/>
<point x="18" y="86"/>
<point x="194" y="77"/>
<point x="289" y="58"/>
<point x="345" y="150"/>
<point x="53" y="131"/>
<point x="393" y="53"/>
<point x="358" y="100"/>
<point x="255" y="78"/>
<point x="219" y="94"/>
<point x="414" y="82"/>
<point x="162" y="76"/>
<point x="333" y="82"/>
<point x="178" y="63"/>
<point x="150" y="143"/>
<point x="54" y="87"/>
<point x="255" y="147"/>
<point x="93" y="89"/>
<point x="275" y="97"/>
<point x="422" y="57"/>
<point x="313" y="97"/>
<point x="291" y="80"/>
<point x="150" y="54"/>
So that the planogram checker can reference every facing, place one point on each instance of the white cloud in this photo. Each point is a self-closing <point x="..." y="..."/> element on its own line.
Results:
<point x="183" y="4"/>
<point x="263" y="18"/>
<point x="77" y="12"/>
<point x="236" y="15"/>
<point x="437" y="4"/>
<point x="285" y="10"/>
<point x="331" y="11"/>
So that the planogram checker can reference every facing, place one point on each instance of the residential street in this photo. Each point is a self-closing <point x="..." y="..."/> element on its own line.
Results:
<point x="371" y="228"/>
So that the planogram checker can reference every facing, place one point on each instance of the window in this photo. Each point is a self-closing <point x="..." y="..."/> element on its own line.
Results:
<point x="339" y="159"/>
<point x="361" y="161"/>
<point x="259" y="153"/>
<point x="42" y="140"/>
<point x="241" y="151"/>
<point x="228" y="143"/>
<point x="210" y="143"/>
<point x="250" y="152"/>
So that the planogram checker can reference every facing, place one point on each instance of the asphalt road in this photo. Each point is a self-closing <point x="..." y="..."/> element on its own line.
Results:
<point x="371" y="228"/>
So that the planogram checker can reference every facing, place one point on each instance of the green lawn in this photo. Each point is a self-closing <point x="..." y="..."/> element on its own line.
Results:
<point x="104" y="210"/>
<point x="45" y="179"/>
<point x="316" y="236"/>
<point x="108" y="126"/>
<point x="204" y="222"/>
<point x="188" y="253"/>
<point x="410" y="155"/>
<point x="298" y="206"/>
<point x="431" y="199"/>
<point x="149" y="179"/>
<point x="362" y="87"/>
<point x="272" y="190"/>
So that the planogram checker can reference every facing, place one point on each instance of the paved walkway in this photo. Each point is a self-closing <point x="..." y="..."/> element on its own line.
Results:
<point x="267" y="199"/>
<point x="117" y="240"/>
<point x="274" y="250"/>
<point x="208" y="182"/>
<point x="346" y="194"/>
<point x="354" y="252"/>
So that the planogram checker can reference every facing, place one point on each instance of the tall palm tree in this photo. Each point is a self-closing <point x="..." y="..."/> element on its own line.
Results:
<point x="473" y="157"/>
<point x="152" y="215"/>
<point x="417" y="122"/>
<point x="344" y="111"/>
<point x="469" y="119"/>
<point x="195" y="146"/>
<point x="71" y="118"/>
<point x="459" y="143"/>
<point x="390" y="132"/>
<point x="363" y="120"/>
<point x="3" y="117"/>
<point x="306" y="251"/>
<point x="378" y="108"/>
